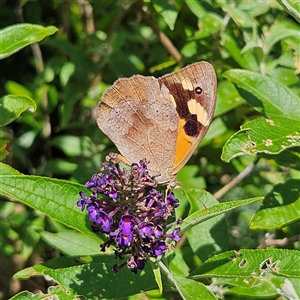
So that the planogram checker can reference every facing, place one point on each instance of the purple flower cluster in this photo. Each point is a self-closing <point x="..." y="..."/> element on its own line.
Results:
<point x="133" y="214"/>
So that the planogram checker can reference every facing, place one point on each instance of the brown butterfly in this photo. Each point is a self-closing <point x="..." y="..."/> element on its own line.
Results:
<point x="160" y="119"/>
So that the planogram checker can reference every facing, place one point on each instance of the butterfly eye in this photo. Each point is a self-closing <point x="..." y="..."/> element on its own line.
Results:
<point x="198" y="90"/>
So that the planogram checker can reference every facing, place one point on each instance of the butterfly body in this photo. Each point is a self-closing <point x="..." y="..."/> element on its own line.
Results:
<point x="160" y="119"/>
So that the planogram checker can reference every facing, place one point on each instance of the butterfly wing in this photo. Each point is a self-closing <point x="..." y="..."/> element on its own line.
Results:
<point x="138" y="116"/>
<point x="193" y="92"/>
<point x="162" y="120"/>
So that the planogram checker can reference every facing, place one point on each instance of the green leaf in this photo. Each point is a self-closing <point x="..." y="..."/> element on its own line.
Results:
<point x="8" y="170"/>
<point x="60" y="166"/>
<point x="261" y="288"/>
<point x="71" y="242"/>
<point x="210" y="24"/>
<point x="228" y="98"/>
<point x="214" y="232"/>
<point x="255" y="7"/>
<point x="190" y="289"/>
<point x="190" y="49"/>
<point x="73" y="145"/>
<point x="216" y="129"/>
<point x="241" y="18"/>
<point x="94" y="279"/>
<point x="157" y="273"/>
<point x="196" y="8"/>
<point x="292" y="7"/>
<point x="11" y="106"/>
<point x="285" y="76"/>
<point x="189" y="178"/>
<point x="251" y="263"/>
<point x="66" y="72"/>
<point x="212" y="211"/>
<point x="280" y="31"/>
<point x="279" y="208"/>
<point x="271" y="97"/>
<point x="252" y="288"/>
<point x="15" y="88"/>
<point x="16" y="37"/>
<point x="246" y="59"/>
<point x="55" y="198"/>
<point x="287" y="60"/>
<point x="270" y="136"/>
<point x="291" y="288"/>
<point x="289" y="158"/>
<point x="25" y="295"/>
<point x="167" y="11"/>
<point x="176" y="263"/>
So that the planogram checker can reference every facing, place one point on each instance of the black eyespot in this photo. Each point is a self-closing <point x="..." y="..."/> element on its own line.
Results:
<point x="198" y="90"/>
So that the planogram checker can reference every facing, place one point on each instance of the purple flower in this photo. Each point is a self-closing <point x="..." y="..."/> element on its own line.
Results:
<point x="84" y="200"/>
<point x="127" y="222"/>
<point x="94" y="182"/>
<point x="158" y="248"/>
<point x="124" y="239"/>
<point x="125" y="206"/>
<point x="136" y="263"/>
<point x="93" y="211"/>
<point x="158" y="231"/>
<point x="145" y="229"/>
<point x="171" y="200"/>
<point x="175" y="235"/>
<point x="104" y="220"/>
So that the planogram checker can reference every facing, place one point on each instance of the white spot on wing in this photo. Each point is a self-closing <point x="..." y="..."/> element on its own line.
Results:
<point x="187" y="85"/>
<point x="197" y="109"/>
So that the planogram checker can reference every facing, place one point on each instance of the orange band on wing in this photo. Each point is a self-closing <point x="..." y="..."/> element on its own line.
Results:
<point x="183" y="144"/>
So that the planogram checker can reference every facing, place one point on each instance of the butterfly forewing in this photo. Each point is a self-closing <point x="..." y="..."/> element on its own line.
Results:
<point x="193" y="90"/>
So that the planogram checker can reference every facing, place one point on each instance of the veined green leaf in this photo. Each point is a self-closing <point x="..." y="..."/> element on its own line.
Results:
<point x="251" y="263"/>
<point x="270" y="136"/>
<point x="94" y="279"/>
<point x="191" y="289"/>
<point x="55" y="198"/>
<point x="213" y="211"/>
<point x="279" y="208"/>
<point x="270" y="97"/>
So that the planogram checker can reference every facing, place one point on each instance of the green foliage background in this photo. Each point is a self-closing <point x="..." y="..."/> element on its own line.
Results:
<point x="250" y="153"/>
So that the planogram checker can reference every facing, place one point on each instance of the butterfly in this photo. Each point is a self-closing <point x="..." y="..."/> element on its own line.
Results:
<point x="162" y="120"/>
